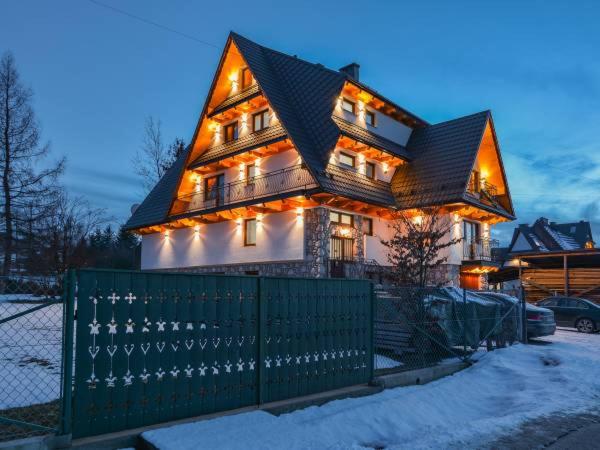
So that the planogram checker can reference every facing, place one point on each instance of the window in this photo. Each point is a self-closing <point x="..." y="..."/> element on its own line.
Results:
<point x="213" y="188"/>
<point x="368" y="226"/>
<point x="341" y="218"/>
<point x="249" y="232"/>
<point x="230" y="132"/>
<point x="250" y="173"/>
<point x="550" y="302"/>
<point x="370" y="170"/>
<point x="260" y="120"/>
<point x="251" y="272"/>
<point x="347" y="160"/>
<point x="370" y="118"/>
<point x="349" y="106"/>
<point x="247" y="78"/>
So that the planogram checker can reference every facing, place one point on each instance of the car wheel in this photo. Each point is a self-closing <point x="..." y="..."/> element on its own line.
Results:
<point x="585" y="325"/>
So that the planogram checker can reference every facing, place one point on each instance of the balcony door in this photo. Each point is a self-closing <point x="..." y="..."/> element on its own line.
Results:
<point x="214" y="190"/>
<point x="470" y="239"/>
<point x="341" y="250"/>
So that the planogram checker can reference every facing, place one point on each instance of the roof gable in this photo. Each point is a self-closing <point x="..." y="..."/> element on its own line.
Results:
<point x="303" y="96"/>
<point x="443" y="158"/>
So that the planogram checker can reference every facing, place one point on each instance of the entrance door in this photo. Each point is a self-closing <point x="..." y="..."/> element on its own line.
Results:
<point x="341" y="251"/>
<point x="469" y="281"/>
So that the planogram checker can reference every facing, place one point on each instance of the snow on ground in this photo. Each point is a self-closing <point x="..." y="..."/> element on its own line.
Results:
<point x="30" y="355"/>
<point x="384" y="362"/>
<point x="501" y="391"/>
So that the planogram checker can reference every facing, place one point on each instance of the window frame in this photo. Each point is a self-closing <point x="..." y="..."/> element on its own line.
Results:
<point x="243" y="72"/>
<point x="347" y="155"/>
<point x="369" y="231"/>
<point x="346" y="101"/>
<point x="339" y="220"/>
<point x="370" y="164"/>
<point x="370" y="114"/>
<point x="246" y="222"/>
<point x="264" y="118"/>
<point x="229" y="126"/>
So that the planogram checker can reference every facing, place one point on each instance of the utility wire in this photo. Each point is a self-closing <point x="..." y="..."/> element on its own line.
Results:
<point x="155" y="24"/>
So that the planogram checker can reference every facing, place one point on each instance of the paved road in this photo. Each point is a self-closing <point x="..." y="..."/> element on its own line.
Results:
<point x="581" y="432"/>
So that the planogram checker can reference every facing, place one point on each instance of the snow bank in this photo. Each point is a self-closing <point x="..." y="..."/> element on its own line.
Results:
<point x="504" y="389"/>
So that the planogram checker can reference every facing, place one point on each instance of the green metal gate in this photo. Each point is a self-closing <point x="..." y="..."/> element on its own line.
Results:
<point x="155" y="347"/>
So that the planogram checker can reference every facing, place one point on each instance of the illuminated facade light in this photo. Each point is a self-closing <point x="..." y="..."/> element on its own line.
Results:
<point x="259" y="218"/>
<point x="299" y="212"/>
<point x="167" y="233"/>
<point x="385" y="167"/>
<point x="239" y="221"/>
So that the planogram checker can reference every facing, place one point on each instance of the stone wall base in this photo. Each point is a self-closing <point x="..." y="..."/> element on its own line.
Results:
<point x="273" y="269"/>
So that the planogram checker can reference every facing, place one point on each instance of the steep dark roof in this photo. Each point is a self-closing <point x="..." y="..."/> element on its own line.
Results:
<point x="155" y="208"/>
<point x="303" y="96"/>
<point x="247" y="94"/>
<point x="544" y="236"/>
<point x="443" y="157"/>
<point x="246" y="143"/>
<point x="365" y="136"/>
<point x="354" y="185"/>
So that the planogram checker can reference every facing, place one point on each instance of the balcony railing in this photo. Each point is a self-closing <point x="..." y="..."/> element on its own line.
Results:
<point x="477" y="187"/>
<point x="479" y="249"/>
<point x="294" y="178"/>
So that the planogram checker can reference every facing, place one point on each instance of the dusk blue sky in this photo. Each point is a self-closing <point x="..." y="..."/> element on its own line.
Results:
<point x="97" y="74"/>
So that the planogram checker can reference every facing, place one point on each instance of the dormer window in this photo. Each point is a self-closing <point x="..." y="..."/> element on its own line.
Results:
<point x="370" y="118"/>
<point x="230" y="132"/>
<point x="349" y="106"/>
<point x="260" y="120"/>
<point x="347" y="160"/>
<point x="247" y="78"/>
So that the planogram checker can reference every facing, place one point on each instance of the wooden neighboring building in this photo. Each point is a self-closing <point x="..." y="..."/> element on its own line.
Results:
<point x="551" y="259"/>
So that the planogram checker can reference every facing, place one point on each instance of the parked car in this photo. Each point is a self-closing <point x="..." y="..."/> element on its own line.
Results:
<point x="540" y="321"/>
<point x="574" y="312"/>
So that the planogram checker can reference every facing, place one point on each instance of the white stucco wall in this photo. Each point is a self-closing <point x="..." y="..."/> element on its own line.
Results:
<point x="374" y="249"/>
<point x="384" y="125"/>
<point x="279" y="237"/>
<point x="361" y="164"/>
<point x="382" y="229"/>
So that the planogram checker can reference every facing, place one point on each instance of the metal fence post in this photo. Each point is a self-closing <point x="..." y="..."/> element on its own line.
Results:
<point x="464" y="322"/>
<point x="523" y="316"/>
<point x="371" y="333"/>
<point x="67" y="362"/>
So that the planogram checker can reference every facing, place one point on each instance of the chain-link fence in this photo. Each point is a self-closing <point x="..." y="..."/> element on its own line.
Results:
<point x="422" y="327"/>
<point x="31" y="327"/>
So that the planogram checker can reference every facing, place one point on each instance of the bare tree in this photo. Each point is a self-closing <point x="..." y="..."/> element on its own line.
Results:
<point x="154" y="158"/>
<point x="66" y="233"/>
<point x="415" y="247"/>
<point x="21" y="155"/>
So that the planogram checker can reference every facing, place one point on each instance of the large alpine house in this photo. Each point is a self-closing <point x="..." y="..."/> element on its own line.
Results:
<point x="296" y="169"/>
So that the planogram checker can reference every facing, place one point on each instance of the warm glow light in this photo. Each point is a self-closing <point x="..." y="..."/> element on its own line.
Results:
<point x="257" y="162"/>
<point x="167" y="233"/>
<point x="299" y="212"/>
<point x="345" y="231"/>
<point x="418" y="220"/>
<point x="456" y="218"/>
<point x="385" y="167"/>
<point x="239" y="221"/>
<point x="244" y="119"/>
<point x="196" y="231"/>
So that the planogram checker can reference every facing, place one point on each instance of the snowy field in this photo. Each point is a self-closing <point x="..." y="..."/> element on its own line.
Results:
<point x="502" y="390"/>
<point x="30" y="355"/>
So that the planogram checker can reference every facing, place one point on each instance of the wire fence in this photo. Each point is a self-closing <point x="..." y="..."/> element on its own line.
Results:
<point x="423" y="327"/>
<point x="31" y="327"/>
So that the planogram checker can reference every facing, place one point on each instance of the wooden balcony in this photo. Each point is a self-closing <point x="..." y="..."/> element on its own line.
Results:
<point x="290" y="179"/>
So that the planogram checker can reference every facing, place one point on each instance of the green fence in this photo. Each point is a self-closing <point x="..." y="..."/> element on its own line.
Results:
<point x="154" y="347"/>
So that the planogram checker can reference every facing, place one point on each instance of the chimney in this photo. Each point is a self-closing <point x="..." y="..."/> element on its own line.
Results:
<point x="351" y="70"/>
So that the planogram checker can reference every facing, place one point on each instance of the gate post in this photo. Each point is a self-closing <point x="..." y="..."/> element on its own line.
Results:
<point x="67" y="343"/>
